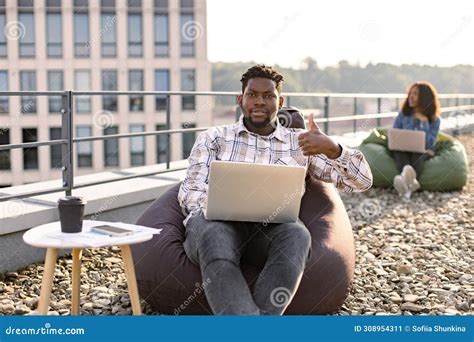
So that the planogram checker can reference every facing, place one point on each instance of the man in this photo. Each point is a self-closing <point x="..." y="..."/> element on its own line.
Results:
<point x="217" y="246"/>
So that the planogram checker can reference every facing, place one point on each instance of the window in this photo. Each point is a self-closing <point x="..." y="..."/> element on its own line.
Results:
<point x="3" y="38"/>
<point x="161" y="28"/>
<point x="3" y="87"/>
<point x="84" y="149"/>
<point x="135" y="83"/>
<point x="81" y="28"/>
<point x="54" y="44"/>
<point x="188" y="140"/>
<point x="108" y="29"/>
<point x="109" y="82"/>
<point x="161" y="144"/>
<point x="135" y="44"/>
<point x="56" y="4"/>
<point x="82" y="82"/>
<point x="56" y="158"/>
<point x="26" y="28"/>
<point x="5" y="155"/>
<point x="162" y="83"/>
<point x="28" y="83"/>
<point x="111" y="148"/>
<point x="137" y="146"/>
<point x="188" y="102"/>
<point x="27" y="40"/>
<point x="188" y="29"/>
<point x="187" y="5"/>
<point x="30" y="154"/>
<point x="55" y="83"/>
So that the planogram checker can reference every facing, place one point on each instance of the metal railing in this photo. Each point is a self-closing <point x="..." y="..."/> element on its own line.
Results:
<point x="67" y="115"/>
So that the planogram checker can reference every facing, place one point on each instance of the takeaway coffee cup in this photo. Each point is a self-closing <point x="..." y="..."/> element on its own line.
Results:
<point x="71" y="213"/>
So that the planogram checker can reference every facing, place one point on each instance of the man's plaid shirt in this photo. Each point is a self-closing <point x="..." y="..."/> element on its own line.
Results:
<point x="349" y="173"/>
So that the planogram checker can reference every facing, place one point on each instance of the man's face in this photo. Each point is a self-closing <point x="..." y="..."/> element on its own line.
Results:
<point x="260" y="103"/>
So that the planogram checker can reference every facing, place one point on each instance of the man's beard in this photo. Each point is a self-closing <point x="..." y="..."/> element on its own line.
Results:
<point x="260" y="124"/>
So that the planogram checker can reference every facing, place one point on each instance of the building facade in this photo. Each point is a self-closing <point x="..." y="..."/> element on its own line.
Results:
<point x="99" y="45"/>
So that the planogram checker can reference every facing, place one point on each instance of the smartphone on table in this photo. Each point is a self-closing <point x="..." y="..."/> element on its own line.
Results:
<point x="111" y="230"/>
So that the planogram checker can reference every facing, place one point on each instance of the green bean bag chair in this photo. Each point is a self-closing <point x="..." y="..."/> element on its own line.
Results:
<point x="446" y="171"/>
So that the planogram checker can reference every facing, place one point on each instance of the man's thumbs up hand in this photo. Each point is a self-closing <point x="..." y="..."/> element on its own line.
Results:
<point x="312" y="124"/>
<point x="315" y="142"/>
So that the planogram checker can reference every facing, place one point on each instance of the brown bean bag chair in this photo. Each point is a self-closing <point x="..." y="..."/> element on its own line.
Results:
<point x="169" y="281"/>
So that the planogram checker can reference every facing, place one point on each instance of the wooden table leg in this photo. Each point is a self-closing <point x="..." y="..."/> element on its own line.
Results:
<point x="131" y="279"/>
<point x="76" y="280"/>
<point x="47" y="282"/>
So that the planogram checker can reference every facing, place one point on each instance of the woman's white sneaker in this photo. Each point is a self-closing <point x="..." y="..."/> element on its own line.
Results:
<point x="409" y="176"/>
<point x="401" y="187"/>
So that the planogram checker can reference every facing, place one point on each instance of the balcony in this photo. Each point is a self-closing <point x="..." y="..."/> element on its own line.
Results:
<point x="386" y="235"/>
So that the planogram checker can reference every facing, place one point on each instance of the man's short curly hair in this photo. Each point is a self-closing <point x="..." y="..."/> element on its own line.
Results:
<point x="262" y="71"/>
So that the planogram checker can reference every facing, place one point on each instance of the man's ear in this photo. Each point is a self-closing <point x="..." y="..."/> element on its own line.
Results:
<point x="239" y="100"/>
<point x="282" y="101"/>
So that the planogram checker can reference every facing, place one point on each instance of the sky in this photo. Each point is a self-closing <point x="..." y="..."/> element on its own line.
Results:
<point x="285" y="32"/>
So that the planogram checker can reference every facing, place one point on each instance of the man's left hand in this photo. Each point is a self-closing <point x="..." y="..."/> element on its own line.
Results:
<point x="316" y="142"/>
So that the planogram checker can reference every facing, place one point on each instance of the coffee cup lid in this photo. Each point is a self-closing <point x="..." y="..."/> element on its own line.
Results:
<point x="71" y="200"/>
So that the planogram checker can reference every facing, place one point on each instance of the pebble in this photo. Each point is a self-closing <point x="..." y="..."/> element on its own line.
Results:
<point x="396" y="299"/>
<point x="411" y="307"/>
<point x="410" y="298"/>
<point x="451" y="312"/>
<point x="405" y="269"/>
<point x="22" y="310"/>
<point x="113" y="260"/>
<point x="88" y="306"/>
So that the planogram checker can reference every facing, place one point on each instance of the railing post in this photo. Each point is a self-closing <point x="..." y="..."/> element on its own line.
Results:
<point x="379" y="110"/>
<point x="354" y="112"/>
<point x="288" y="101"/>
<point x="67" y="149"/>
<point x="326" y="114"/>
<point x="168" y="127"/>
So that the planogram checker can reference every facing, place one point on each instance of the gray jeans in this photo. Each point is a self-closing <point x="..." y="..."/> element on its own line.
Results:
<point x="217" y="247"/>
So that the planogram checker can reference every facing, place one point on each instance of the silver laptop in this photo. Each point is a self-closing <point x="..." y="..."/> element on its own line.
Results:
<point x="254" y="192"/>
<point x="406" y="140"/>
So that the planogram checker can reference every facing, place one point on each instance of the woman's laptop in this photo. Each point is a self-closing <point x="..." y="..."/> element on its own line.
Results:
<point x="406" y="140"/>
<point x="254" y="192"/>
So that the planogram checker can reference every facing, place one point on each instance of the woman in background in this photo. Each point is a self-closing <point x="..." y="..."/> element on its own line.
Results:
<point x="420" y="112"/>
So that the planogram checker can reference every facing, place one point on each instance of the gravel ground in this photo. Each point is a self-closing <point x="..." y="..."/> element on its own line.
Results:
<point x="412" y="258"/>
